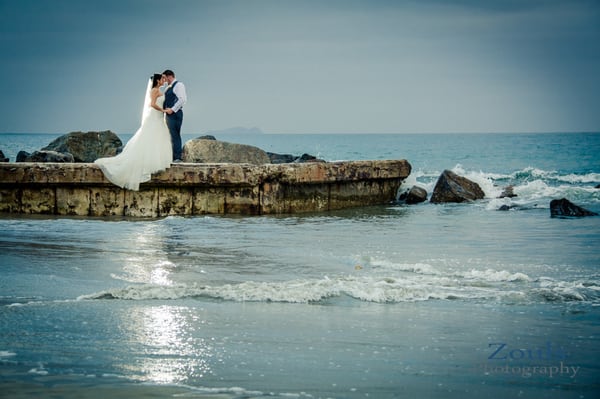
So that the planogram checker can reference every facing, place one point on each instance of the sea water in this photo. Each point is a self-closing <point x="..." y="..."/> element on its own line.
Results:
<point x="429" y="301"/>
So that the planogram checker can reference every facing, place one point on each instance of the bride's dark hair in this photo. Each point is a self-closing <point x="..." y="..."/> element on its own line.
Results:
<point x="155" y="78"/>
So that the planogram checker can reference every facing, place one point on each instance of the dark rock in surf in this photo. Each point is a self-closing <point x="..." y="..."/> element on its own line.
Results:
<point x="88" y="146"/>
<point x="565" y="208"/>
<point x="415" y="195"/>
<point x="508" y="192"/>
<point x="453" y="188"/>
<point x="2" y="157"/>
<point x="44" y="156"/>
<point x="598" y="186"/>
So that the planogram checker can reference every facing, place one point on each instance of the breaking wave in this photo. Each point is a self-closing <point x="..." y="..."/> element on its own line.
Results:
<point x="425" y="284"/>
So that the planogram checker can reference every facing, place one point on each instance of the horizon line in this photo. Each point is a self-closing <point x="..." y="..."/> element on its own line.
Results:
<point x="336" y="133"/>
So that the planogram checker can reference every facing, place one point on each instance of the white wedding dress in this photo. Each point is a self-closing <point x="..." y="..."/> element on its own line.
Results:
<point x="147" y="152"/>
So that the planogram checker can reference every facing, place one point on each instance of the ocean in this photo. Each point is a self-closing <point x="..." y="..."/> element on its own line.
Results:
<point x="390" y="301"/>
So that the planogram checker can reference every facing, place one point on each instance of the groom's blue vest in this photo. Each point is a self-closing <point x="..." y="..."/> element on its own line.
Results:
<point x="170" y="97"/>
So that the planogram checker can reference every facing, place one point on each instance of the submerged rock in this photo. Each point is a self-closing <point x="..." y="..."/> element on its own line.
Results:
<point x="88" y="146"/>
<point x="415" y="195"/>
<point x="453" y="188"/>
<point x="565" y="208"/>
<point x="44" y="156"/>
<point x="214" y="151"/>
<point x="2" y="157"/>
<point x="508" y="192"/>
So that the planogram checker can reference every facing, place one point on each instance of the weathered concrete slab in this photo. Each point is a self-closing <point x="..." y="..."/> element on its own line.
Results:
<point x="196" y="189"/>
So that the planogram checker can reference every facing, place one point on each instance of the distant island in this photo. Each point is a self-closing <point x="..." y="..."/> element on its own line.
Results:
<point x="236" y="130"/>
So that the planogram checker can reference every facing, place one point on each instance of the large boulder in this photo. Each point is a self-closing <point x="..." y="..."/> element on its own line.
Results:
<point x="415" y="195"/>
<point x="88" y="146"/>
<point x="453" y="188"/>
<point x="565" y="208"/>
<point x="215" y="151"/>
<point x="2" y="157"/>
<point x="44" y="156"/>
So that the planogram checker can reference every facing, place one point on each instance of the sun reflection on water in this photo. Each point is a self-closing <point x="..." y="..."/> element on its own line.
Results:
<point x="148" y="262"/>
<point x="169" y="351"/>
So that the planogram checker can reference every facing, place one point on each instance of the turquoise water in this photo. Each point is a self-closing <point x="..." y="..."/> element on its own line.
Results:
<point x="430" y="301"/>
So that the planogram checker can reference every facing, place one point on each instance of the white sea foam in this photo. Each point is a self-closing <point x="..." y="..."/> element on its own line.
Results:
<point x="7" y="354"/>
<point x="494" y="275"/>
<point x="378" y="285"/>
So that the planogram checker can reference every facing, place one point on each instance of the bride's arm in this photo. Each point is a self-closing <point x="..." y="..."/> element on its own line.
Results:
<point x="153" y="96"/>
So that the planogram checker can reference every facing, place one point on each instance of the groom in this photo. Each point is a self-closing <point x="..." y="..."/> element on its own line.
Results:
<point x="174" y="99"/>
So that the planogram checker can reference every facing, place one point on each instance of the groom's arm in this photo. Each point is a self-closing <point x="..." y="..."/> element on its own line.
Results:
<point x="179" y="91"/>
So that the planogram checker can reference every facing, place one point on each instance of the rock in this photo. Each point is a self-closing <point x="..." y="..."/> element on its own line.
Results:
<point x="207" y="137"/>
<point x="565" y="208"/>
<point x="214" y="151"/>
<point x="308" y="158"/>
<point x="44" y="156"/>
<point x="415" y="195"/>
<point x="22" y="156"/>
<point x="288" y="158"/>
<point x="88" y="146"/>
<point x="281" y="158"/>
<point x="598" y="186"/>
<point x="453" y="188"/>
<point x="508" y="192"/>
<point x="2" y="157"/>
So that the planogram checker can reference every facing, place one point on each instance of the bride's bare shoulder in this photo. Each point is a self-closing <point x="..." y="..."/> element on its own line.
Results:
<point x="155" y="92"/>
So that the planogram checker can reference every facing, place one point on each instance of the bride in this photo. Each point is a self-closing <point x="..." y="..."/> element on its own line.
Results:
<point x="149" y="150"/>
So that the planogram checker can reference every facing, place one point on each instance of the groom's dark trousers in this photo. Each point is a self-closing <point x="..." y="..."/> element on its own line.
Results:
<point x="174" y="122"/>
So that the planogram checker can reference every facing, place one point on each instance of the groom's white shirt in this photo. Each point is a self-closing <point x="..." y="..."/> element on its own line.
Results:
<point x="179" y="91"/>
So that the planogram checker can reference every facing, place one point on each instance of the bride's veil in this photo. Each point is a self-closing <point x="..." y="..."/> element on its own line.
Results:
<point x="146" y="109"/>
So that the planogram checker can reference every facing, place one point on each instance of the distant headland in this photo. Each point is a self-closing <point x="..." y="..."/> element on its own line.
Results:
<point x="236" y="130"/>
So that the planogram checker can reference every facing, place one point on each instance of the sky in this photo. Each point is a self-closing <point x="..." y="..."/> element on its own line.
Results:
<point x="304" y="66"/>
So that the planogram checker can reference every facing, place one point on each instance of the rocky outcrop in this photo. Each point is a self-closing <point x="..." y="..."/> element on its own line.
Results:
<point x="88" y="146"/>
<point x="214" y="151"/>
<point x="565" y="208"/>
<point x="453" y="188"/>
<point x="44" y="156"/>
<point x="415" y="195"/>
<point x="2" y="157"/>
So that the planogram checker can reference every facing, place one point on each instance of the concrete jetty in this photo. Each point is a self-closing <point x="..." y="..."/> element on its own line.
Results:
<point x="198" y="189"/>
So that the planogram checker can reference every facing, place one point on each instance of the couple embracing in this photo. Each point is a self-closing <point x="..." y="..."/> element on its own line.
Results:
<point x="157" y="142"/>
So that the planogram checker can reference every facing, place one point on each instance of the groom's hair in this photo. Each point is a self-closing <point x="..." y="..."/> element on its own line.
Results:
<point x="168" y="72"/>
